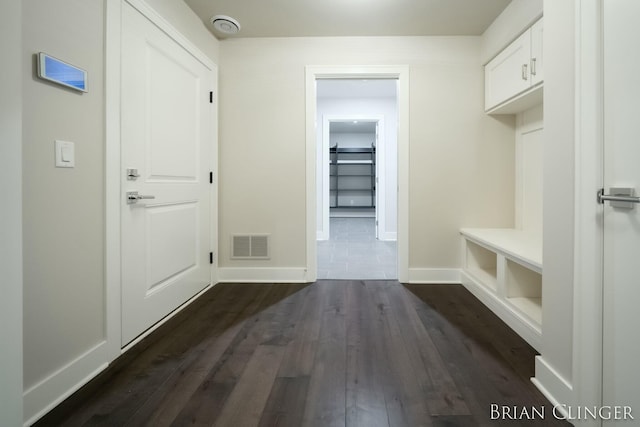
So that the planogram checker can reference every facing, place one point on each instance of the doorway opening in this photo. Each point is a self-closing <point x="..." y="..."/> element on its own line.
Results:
<point x="357" y="178"/>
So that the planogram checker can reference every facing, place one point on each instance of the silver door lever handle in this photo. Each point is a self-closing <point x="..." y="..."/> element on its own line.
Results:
<point x="620" y="197"/>
<point x="133" y="197"/>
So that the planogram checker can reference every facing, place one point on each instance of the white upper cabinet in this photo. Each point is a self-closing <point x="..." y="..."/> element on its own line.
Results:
<point x="512" y="75"/>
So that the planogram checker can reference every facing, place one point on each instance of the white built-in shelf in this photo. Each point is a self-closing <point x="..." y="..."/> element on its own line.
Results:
<point x="521" y="246"/>
<point x="503" y="268"/>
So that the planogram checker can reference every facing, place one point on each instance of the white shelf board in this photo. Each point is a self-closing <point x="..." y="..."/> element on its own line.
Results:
<point x="521" y="102"/>
<point x="522" y="247"/>
<point x="355" y="162"/>
<point x="530" y="307"/>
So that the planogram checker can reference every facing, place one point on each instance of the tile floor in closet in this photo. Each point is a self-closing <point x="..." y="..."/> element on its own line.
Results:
<point x="353" y="252"/>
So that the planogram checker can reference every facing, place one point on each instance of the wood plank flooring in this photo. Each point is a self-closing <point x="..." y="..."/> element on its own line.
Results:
<point x="333" y="353"/>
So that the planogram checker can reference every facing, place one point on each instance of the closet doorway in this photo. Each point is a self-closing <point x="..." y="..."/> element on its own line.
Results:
<point x="357" y="178"/>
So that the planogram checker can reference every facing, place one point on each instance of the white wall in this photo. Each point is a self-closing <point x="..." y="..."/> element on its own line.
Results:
<point x="513" y="20"/>
<point x="387" y="108"/>
<point x="554" y="367"/>
<point x="10" y="214"/>
<point x="64" y="209"/>
<point x="459" y="157"/>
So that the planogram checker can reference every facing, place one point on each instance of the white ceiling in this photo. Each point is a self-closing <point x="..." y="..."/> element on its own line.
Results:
<point x="300" y="18"/>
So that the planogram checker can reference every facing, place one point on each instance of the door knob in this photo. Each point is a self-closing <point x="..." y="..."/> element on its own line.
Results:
<point x="133" y="197"/>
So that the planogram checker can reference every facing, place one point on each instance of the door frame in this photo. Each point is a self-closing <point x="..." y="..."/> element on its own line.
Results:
<point x="113" y="192"/>
<point x="399" y="73"/>
<point x="589" y="239"/>
<point x="380" y="194"/>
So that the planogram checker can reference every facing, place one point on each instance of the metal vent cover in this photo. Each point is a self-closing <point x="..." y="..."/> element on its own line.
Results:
<point x="250" y="246"/>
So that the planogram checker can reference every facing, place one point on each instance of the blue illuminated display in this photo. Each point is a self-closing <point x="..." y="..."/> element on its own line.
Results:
<point x="60" y="72"/>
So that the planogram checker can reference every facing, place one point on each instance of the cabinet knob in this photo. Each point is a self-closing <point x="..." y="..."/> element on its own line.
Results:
<point x="525" y="75"/>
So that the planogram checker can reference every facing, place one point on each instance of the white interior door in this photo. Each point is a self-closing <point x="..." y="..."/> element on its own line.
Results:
<point x="167" y="121"/>
<point x="621" y="339"/>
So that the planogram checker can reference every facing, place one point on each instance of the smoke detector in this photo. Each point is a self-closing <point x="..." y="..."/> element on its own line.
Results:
<point x="225" y="24"/>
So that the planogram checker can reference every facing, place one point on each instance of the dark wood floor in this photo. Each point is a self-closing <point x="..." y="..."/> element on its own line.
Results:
<point x="334" y="353"/>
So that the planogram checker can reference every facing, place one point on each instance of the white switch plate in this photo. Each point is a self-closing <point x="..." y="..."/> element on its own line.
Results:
<point x="65" y="154"/>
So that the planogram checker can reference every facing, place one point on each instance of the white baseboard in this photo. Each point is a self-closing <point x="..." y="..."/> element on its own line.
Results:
<point x="50" y="392"/>
<point x="552" y="385"/>
<point x="262" y="275"/>
<point x="434" y="276"/>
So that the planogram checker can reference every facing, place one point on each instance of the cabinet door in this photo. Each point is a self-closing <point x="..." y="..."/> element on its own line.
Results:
<point x="537" y="62"/>
<point x="508" y="73"/>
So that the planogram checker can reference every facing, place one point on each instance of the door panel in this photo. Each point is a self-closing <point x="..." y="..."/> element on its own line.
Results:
<point x="172" y="146"/>
<point x="167" y="135"/>
<point x="621" y="339"/>
<point x="172" y="242"/>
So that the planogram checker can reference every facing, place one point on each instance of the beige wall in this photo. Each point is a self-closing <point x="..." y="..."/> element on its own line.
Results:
<point x="10" y="215"/>
<point x="461" y="167"/>
<point x="63" y="208"/>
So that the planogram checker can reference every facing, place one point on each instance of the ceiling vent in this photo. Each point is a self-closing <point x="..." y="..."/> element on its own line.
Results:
<point x="250" y="246"/>
<point x="225" y="24"/>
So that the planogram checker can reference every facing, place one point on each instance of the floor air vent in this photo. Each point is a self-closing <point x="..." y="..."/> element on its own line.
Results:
<point x="250" y="246"/>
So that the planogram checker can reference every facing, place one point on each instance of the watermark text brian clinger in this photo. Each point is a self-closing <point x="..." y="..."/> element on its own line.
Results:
<point x="561" y="412"/>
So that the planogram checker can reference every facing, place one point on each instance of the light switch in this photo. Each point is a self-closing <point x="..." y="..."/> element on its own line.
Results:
<point x="65" y="154"/>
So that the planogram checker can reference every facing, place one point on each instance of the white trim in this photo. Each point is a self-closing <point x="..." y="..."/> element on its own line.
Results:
<point x="45" y="395"/>
<point x="164" y="25"/>
<point x="401" y="73"/>
<point x="434" y="276"/>
<point x="388" y="235"/>
<point x="589" y="172"/>
<point x="263" y="275"/>
<point x="380" y="207"/>
<point x="112" y="176"/>
<point x="552" y="385"/>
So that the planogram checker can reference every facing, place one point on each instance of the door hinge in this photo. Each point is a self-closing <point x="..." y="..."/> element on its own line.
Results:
<point x="210" y="177"/>
<point x="210" y="257"/>
<point x="210" y="97"/>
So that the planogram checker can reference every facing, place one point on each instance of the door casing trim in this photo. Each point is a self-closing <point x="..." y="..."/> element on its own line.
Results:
<point x="399" y="72"/>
